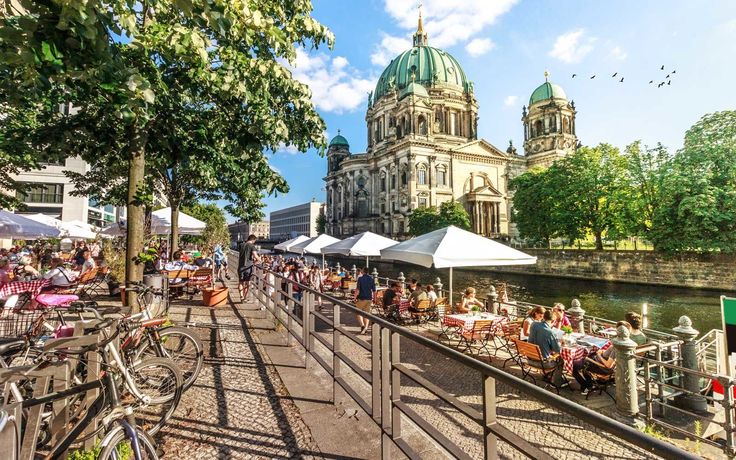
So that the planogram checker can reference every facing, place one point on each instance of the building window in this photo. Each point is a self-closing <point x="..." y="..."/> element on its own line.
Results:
<point x="422" y="125"/>
<point x="404" y="178"/>
<point x="441" y="177"/>
<point x="393" y="181"/>
<point x="43" y="193"/>
<point x="401" y="227"/>
<point x="422" y="176"/>
<point x="422" y="202"/>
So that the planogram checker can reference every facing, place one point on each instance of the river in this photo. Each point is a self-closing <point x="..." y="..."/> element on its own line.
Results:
<point x="599" y="298"/>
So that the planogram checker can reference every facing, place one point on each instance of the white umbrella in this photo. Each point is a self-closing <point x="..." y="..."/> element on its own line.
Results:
<point x="364" y="244"/>
<point x="188" y="225"/>
<point x="314" y="245"/>
<point x="17" y="226"/>
<point x="80" y="230"/>
<point x="454" y="247"/>
<point x="286" y="245"/>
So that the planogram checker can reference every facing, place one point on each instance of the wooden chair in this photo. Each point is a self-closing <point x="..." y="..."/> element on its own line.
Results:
<point x="421" y="311"/>
<point x="81" y="285"/>
<point x="531" y="361"/>
<point x="198" y="280"/>
<point x="600" y="380"/>
<point x="378" y="303"/>
<point x="480" y="335"/>
<point x="446" y="331"/>
<point x="509" y="333"/>
<point x="177" y="281"/>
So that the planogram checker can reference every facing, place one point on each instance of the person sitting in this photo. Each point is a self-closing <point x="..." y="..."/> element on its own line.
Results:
<point x="634" y="320"/>
<point x="89" y="263"/>
<point x="601" y="362"/>
<point x="542" y="335"/>
<point x="390" y="301"/>
<point x="534" y="315"/>
<point x="25" y="270"/>
<point x="468" y="301"/>
<point x="79" y="255"/>
<point x="4" y="277"/>
<point x="58" y="274"/>
<point x="431" y="295"/>
<point x="416" y="295"/>
<point x="560" y="319"/>
<point x="412" y="285"/>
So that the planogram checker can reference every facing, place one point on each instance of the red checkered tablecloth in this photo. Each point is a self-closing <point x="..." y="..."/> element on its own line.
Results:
<point x="18" y="287"/>
<point x="571" y="354"/>
<point x="466" y="321"/>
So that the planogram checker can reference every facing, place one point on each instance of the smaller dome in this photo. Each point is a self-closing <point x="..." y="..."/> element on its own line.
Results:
<point x="416" y="89"/>
<point x="547" y="91"/>
<point x="338" y="141"/>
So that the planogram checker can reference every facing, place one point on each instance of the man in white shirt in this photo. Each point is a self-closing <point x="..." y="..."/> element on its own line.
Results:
<point x="89" y="262"/>
<point x="59" y="276"/>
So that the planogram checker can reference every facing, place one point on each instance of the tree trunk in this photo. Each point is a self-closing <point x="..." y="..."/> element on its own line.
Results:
<point x="599" y="241"/>
<point x="174" y="243"/>
<point x="136" y="221"/>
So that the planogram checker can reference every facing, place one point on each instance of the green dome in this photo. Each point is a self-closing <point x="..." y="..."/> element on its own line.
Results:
<point x="547" y="91"/>
<point x="430" y="66"/>
<point x="415" y="89"/>
<point x="339" y="141"/>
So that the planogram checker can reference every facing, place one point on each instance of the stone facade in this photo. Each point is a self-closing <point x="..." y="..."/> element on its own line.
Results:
<point x="424" y="150"/>
<point x="706" y="271"/>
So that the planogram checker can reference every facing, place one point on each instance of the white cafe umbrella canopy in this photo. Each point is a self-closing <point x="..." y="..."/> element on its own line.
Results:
<point x="188" y="225"/>
<point x="286" y="245"/>
<point x="364" y="244"/>
<point x="314" y="245"/>
<point x="21" y="227"/>
<point x="454" y="247"/>
<point x="75" y="229"/>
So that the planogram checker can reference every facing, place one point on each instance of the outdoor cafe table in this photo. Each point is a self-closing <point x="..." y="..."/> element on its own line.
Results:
<point x="467" y="320"/>
<point x="572" y="353"/>
<point x="18" y="287"/>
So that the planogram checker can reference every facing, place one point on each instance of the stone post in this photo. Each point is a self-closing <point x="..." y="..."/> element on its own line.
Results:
<point x="438" y="286"/>
<point x="627" y="396"/>
<point x="576" y="314"/>
<point x="374" y="274"/>
<point x="492" y="300"/>
<point x="688" y="353"/>
<point x="337" y="267"/>
<point x="354" y="272"/>
<point x="401" y="279"/>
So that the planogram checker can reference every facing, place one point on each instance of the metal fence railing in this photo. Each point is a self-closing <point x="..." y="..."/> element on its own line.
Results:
<point x="378" y="383"/>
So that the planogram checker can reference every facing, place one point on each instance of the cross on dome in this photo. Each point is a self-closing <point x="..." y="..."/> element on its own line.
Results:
<point x="420" y="37"/>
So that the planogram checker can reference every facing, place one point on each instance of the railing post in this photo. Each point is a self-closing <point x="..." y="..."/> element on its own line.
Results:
<point x="337" y="267"/>
<point x="492" y="300"/>
<point x="490" y="444"/>
<point x="374" y="274"/>
<point x="576" y="314"/>
<point x="385" y="393"/>
<point x="438" y="286"/>
<point x="730" y="424"/>
<point x="395" y="386"/>
<point x="289" y="309"/>
<point x="402" y="280"/>
<point x="627" y="396"/>
<point x="307" y="302"/>
<point x="336" y="371"/>
<point x="688" y="355"/>
<point x="376" y="373"/>
<point x="354" y="272"/>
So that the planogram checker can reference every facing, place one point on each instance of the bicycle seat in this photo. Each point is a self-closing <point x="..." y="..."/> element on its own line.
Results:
<point x="11" y="344"/>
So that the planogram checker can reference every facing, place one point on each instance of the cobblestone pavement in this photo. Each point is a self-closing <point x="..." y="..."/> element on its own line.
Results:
<point x="238" y="408"/>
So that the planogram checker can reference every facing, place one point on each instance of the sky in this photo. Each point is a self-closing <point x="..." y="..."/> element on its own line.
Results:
<point x="504" y="47"/>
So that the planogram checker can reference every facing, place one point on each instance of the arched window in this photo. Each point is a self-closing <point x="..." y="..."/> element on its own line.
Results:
<point x="404" y="178"/>
<point x="422" y="175"/>
<point x="400" y="129"/>
<point x="538" y="128"/>
<point x="383" y="181"/>
<point x="566" y="125"/>
<point x="441" y="176"/>
<point x="422" y="122"/>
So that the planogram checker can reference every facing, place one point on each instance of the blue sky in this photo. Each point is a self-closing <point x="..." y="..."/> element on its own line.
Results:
<point x="505" y="46"/>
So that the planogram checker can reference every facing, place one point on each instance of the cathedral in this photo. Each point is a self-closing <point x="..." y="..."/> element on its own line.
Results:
<point x="423" y="149"/>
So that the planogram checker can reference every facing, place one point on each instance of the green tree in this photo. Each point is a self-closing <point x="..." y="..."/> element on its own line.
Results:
<point x="697" y="208"/>
<point x="535" y="199"/>
<point x="425" y="220"/>
<point x="215" y="232"/>
<point x="321" y="222"/>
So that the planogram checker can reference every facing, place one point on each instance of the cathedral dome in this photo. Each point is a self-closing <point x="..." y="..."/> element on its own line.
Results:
<point x="339" y="141"/>
<point x="547" y="91"/>
<point x="422" y="64"/>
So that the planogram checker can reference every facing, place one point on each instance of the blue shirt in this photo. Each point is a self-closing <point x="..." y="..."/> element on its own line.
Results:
<point x="540" y="333"/>
<point x="366" y="287"/>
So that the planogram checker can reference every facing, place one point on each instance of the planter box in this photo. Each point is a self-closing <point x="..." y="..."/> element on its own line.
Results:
<point x="214" y="297"/>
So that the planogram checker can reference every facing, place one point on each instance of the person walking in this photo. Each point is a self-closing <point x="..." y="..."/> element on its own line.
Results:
<point x="247" y="256"/>
<point x="366" y="289"/>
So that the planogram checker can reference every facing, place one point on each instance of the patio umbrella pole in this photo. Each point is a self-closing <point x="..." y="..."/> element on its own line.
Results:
<point x="451" y="304"/>
<point x="366" y="261"/>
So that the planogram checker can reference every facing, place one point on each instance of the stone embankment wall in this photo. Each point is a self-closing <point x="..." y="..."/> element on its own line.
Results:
<point x="709" y="271"/>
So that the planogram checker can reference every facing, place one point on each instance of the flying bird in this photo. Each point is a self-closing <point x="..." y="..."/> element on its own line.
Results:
<point x="651" y="81"/>
<point x="674" y="71"/>
<point x="614" y="74"/>
<point x="661" y="68"/>
<point x="668" y="76"/>
<point x="622" y="80"/>
<point x="574" y="75"/>
<point x="669" y="82"/>
<point x="660" y="85"/>
<point x="592" y="77"/>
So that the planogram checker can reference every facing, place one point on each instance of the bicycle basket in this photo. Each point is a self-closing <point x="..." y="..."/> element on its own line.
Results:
<point x="20" y="320"/>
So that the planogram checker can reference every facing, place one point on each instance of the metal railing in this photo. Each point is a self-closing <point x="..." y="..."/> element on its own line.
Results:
<point x="710" y="351"/>
<point x="297" y="313"/>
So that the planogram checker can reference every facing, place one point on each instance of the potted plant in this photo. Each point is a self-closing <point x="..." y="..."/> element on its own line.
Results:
<point x="567" y="334"/>
<point x="475" y="309"/>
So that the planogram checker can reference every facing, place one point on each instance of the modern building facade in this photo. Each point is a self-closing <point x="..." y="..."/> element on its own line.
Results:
<point x="423" y="149"/>
<point x="296" y="220"/>
<point x="239" y="231"/>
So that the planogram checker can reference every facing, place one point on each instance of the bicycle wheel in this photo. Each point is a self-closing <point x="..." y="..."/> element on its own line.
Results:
<point x="182" y="346"/>
<point x="117" y="445"/>
<point x="160" y="380"/>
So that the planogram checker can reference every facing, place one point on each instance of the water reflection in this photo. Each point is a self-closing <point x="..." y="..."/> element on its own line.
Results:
<point x="598" y="298"/>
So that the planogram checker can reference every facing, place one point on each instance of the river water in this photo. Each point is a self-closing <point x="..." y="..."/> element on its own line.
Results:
<point x="598" y="298"/>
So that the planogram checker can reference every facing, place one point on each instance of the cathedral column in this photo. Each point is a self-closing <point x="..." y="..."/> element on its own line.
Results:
<point x="494" y="217"/>
<point x="498" y="217"/>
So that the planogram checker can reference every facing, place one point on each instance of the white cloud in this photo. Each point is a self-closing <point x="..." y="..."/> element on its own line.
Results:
<point x="336" y="85"/>
<point x="288" y="149"/>
<point x="446" y="23"/>
<point x="479" y="46"/>
<point x="572" y="46"/>
<point x="510" y="101"/>
<point x="618" y="53"/>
